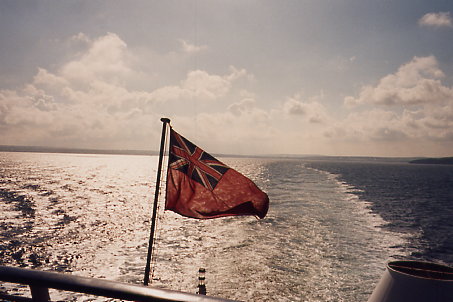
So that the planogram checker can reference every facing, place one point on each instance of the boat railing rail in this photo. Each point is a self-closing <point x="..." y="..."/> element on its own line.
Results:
<point x="40" y="282"/>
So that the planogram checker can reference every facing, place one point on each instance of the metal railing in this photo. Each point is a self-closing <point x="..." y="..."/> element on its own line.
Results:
<point x="40" y="282"/>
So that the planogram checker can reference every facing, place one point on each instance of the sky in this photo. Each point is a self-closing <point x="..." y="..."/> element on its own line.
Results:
<point x="327" y="77"/>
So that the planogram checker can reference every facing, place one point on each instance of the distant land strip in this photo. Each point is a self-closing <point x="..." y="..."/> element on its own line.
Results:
<point x="412" y="160"/>
<point x="437" y="161"/>
<point x="73" y="150"/>
<point x="41" y="149"/>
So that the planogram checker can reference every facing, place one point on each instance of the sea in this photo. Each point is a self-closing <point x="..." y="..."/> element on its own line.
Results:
<point x="333" y="225"/>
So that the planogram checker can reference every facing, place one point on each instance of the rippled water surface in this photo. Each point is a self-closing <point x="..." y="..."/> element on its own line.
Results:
<point x="89" y="215"/>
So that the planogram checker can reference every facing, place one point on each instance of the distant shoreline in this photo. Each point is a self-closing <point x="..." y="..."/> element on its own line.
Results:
<point x="434" y="161"/>
<point x="38" y="149"/>
<point x="412" y="160"/>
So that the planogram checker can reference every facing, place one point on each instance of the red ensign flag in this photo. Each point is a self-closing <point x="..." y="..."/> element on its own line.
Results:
<point x="200" y="186"/>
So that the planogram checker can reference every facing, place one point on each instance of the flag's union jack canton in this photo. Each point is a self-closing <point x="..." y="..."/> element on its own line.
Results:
<point x="197" y="164"/>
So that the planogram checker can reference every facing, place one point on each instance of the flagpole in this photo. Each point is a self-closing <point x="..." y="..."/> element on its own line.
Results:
<point x="165" y="121"/>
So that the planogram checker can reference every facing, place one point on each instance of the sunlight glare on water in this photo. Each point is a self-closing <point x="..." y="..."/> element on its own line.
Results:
<point x="90" y="215"/>
<point x="318" y="242"/>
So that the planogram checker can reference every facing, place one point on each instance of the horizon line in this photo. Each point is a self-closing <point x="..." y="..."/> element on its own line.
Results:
<point x="48" y="149"/>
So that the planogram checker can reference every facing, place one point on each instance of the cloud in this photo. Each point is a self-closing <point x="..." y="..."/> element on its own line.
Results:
<point x="201" y="84"/>
<point x="244" y="128"/>
<point x="106" y="60"/>
<point x="91" y="101"/>
<point x="80" y="37"/>
<point x="244" y="106"/>
<point x="417" y="105"/>
<point x="312" y="110"/>
<point x="198" y="85"/>
<point x="416" y="82"/>
<point x="191" y="48"/>
<point x="368" y="125"/>
<point x="437" y="20"/>
<point x="88" y="101"/>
